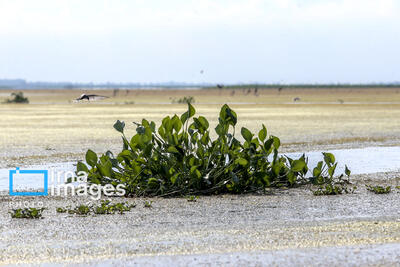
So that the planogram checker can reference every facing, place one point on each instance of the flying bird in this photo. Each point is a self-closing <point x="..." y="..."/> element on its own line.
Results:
<point x="91" y="97"/>
<point x="220" y="86"/>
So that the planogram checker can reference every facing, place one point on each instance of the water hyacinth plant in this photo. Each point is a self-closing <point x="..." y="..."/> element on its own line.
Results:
<point x="27" y="213"/>
<point x="180" y="158"/>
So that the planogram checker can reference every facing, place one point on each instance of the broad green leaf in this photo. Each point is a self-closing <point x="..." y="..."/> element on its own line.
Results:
<point x="268" y="144"/>
<point x="174" y="178"/>
<point x="291" y="178"/>
<point x="195" y="172"/>
<point x="227" y="115"/>
<point x="91" y="158"/>
<point x="329" y="158"/>
<point x="316" y="172"/>
<point x="241" y="161"/>
<point x="277" y="142"/>
<point x="80" y="166"/>
<point x="247" y="135"/>
<point x="172" y="149"/>
<point x="105" y="168"/>
<point x="297" y="165"/>
<point x="191" y="110"/>
<point x="203" y="122"/>
<point x="262" y="134"/>
<point x="184" y="117"/>
<point x="332" y="169"/>
<point x="176" y="123"/>
<point x="119" y="126"/>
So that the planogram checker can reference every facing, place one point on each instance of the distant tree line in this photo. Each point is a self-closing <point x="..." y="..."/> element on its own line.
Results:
<point x="23" y="84"/>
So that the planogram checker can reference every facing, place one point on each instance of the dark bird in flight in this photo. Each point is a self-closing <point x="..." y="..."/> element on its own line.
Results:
<point x="220" y="86"/>
<point x="91" y="97"/>
<point x="296" y="99"/>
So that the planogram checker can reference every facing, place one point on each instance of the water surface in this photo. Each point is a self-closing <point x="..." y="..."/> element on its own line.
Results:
<point x="360" y="161"/>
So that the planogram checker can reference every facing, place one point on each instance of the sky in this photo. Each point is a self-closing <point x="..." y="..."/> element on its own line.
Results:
<point x="196" y="41"/>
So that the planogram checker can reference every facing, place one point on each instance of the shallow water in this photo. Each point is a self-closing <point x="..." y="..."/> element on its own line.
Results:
<point x="360" y="161"/>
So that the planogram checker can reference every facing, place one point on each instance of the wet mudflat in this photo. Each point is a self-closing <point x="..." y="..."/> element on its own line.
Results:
<point x="281" y="226"/>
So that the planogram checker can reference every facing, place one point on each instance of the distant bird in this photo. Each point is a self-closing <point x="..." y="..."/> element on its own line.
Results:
<point x="91" y="97"/>
<point x="280" y="89"/>
<point x="202" y="71"/>
<point x="220" y="86"/>
<point x="296" y="99"/>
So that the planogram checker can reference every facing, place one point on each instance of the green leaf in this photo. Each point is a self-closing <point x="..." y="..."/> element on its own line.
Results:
<point x="329" y="158"/>
<point x="203" y="122"/>
<point x="276" y="168"/>
<point x="105" y="168"/>
<point x="316" y="172"/>
<point x="91" y="158"/>
<point x="80" y="166"/>
<point x="268" y="144"/>
<point x="262" y="134"/>
<point x="172" y="149"/>
<point x="228" y="115"/>
<point x="191" y="110"/>
<point x="119" y="126"/>
<point x="347" y="171"/>
<point x="184" y="117"/>
<point x="188" y="114"/>
<point x="195" y="172"/>
<point x="277" y="142"/>
<point x="241" y="161"/>
<point x="332" y="169"/>
<point x="297" y="165"/>
<point x="291" y="178"/>
<point x="176" y="123"/>
<point x="174" y="178"/>
<point x="247" y="135"/>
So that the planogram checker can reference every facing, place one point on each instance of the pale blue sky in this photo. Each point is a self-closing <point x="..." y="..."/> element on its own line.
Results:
<point x="288" y="41"/>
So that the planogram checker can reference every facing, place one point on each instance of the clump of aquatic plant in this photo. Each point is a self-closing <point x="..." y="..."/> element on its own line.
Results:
<point x="192" y="198"/>
<point x="378" y="189"/>
<point x="148" y="204"/>
<point x="184" y="100"/>
<point x="105" y="207"/>
<point x="327" y="183"/>
<point x="27" y="213"/>
<point x="180" y="158"/>
<point x="61" y="210"/>
<point x="80" y="210"/>
<point x="18" y="98"/>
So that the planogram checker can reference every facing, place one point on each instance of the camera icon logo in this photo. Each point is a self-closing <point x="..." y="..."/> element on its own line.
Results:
<point x="27" y="173"/>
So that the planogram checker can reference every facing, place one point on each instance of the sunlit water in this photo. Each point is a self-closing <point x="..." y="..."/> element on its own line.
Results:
<point x="359" y="161"/>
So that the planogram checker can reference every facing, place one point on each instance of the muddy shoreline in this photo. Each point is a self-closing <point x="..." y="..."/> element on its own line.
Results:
<point x="214" y="229"/>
